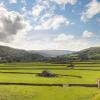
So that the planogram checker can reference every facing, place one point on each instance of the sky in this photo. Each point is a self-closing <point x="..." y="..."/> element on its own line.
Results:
<point x="50" y="24"/>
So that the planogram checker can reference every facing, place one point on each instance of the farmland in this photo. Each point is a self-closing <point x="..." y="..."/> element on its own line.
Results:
<point x="17" y="81"/>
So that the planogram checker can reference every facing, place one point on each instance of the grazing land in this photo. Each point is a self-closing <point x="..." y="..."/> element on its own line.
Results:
<point x="19" y="81"/>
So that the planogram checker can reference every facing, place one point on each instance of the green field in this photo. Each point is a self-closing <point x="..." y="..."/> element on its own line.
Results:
<point x="84" y="73"/>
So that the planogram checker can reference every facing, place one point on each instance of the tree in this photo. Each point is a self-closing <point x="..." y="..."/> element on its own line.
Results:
<point x="71" y="65"/>
<point x="46" y="74"/>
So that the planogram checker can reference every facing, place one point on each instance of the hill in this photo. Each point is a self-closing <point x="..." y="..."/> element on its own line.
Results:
<point x="8" y="54"/>
<point x="92" y="53"/>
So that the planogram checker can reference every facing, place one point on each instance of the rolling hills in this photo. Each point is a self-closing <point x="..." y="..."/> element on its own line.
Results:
<point x="8" y="54"/>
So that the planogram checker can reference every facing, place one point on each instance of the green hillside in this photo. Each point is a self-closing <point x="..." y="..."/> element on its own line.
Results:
<point x="92" y="53"/>
<point x="8" y="54"/>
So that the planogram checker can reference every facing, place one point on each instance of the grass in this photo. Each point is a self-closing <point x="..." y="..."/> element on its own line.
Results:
<point x="89" y="73"/>
<point x="47" y="93"/>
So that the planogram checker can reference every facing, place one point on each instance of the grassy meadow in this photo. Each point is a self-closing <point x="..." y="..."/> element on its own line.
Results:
<point x="83" y="73"/>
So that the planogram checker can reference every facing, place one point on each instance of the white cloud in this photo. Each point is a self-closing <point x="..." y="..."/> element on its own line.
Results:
<point x="87" y="34"/>
<point x="45" y="17"/>
<point x="11" y="25"/>
<point x="60" y="42"/>
<point x="12" y="1"/>
<point x="64" y="37"/>
<point x="14" y="28"/>
<point x="60" y="2"/>
<point x="15" y="1"/>
<point x="2" y="4"/>
<point x="51" y="44"/>
<point x="53" y="22"/>
<point x="69" y="42"/>
<point x="93" y="8"/>
<point x="98" y="21"/>
<point x="37" y="9"/>
<point x="24" y="9"/>
<point x="23" y="2"/>
<point x="43" y="7"/>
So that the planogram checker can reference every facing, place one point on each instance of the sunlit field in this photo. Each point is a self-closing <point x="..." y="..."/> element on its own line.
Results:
<point x="17" y="81"/>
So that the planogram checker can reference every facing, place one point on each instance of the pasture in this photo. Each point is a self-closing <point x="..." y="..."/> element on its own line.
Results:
<point x="18" y="81"/>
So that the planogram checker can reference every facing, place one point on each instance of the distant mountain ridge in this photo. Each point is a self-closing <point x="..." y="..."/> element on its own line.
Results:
<point x="8" y="54"/>
<point x="52" y="53"/>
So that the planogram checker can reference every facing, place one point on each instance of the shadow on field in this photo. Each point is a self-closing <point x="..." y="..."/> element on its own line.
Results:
<point x="38" y="73"/>
<point x="89" y="69"/>
<point x="31" y="65"/>
<point x="84" y="85"/>
<point x="16" y="73"/>
<point x="70" y="75"/>
<point x="45" y="69"/>
<point x="12" y="68"/>
<point x="87" y="66"/>
<point x="61" y="85"/>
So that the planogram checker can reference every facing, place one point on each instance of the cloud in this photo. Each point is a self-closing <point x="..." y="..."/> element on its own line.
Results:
<point x="52" y="23"/>
<point x="49" y="5"/>
<point x="51" y="44"/>
<point x="64" y="37"/>
<point x="37" y="9"/>
<point x="45" y="16"/>
<point x="11" y="24"/>
<point x="98" y="20"/>
<point x="62" y="41"/>
<point x="23" y="2"/>
<point x="2" y="4"/>
<point x="69" y="42"/>
<point x="12" y="1"/>
<point x="60" y="2"/>
<point x="92" y="9"/>
<point x="15" y="1"/>
<point x="87" y="34"/>
<point x="16" y="30"/>
<point x="42" y="7"/>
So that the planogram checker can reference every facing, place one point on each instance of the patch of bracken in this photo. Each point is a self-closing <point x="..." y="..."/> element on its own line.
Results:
<point x="46" y="74"/>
